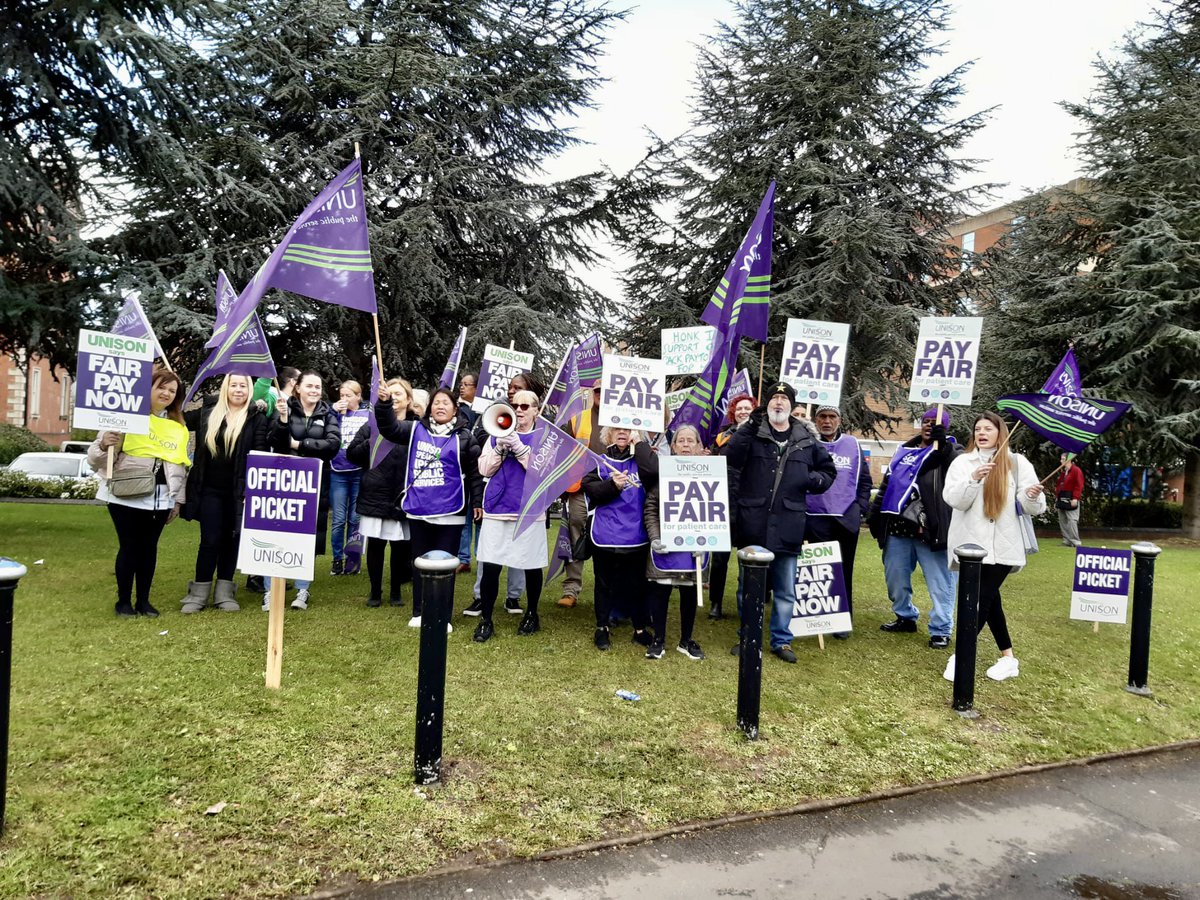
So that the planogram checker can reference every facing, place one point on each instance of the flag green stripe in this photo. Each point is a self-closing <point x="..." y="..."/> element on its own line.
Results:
<point x="754" y="278"/>
<point x="328" y="251"/>
<point x="1049" y="423"/>
<point x="320" y="265"/>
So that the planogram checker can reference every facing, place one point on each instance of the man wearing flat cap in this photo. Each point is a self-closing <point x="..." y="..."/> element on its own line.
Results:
<point x="775" y="464"/>
<point x="837" y="514"/>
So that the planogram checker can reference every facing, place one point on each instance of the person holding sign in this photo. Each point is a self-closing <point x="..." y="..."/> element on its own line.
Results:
<point x="666" y="570"/>
<point x="147" y="487"/>
<point x="307" y="426"/>
<point x="740" y="408"/>
<point x="502" y="462"/>
<point x="227" y="427"/>
<point x="345" y="477"/>
<point x="837" y="514"/>
<point x="985" y="486"/>
<point x="776" y="463"/>
<point x="911" y="521"/>
<point x="617" y="498"/>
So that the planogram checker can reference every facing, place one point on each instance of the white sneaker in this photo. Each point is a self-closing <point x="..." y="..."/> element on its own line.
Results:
<point x="267" y="602"/>
<point x="949" y="673"/>
<point x="1005" y="667"/>
<point x="449" y="628"/>
<point x="414" y="622"/>
<point x="301" y="601"/>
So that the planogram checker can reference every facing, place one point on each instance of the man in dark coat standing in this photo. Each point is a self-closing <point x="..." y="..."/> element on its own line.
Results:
<point x="775" y="463"/>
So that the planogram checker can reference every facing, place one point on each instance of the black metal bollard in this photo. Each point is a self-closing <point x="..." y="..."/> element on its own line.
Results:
<point x="11" y="572"/>
<point x="755" y="562"/>
<point x="436" y="569"/>
<point x="1144" y="555"/>
<point x="970" y="567"/>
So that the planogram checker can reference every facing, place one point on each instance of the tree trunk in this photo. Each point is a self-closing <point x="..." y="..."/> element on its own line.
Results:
<point x="1191" y="495"/>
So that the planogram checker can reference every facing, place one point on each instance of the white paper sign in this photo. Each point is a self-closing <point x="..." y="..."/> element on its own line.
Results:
<point x="814" y="360"/>
<point x="946" y="360"/>
<point x="500" y="366"/>
<point x="685" y="351"/>
<point x="693" y="504"/>
<point x="631" y="393"/>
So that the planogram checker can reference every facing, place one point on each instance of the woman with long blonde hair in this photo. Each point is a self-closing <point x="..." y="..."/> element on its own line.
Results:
<point x="228" y="426"/>
<point x="984" y="488"/>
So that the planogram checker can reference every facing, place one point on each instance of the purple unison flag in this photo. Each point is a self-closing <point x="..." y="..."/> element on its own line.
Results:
<point x="589" y="358"/>
<point x="380" y="446"/>
<point x="1067" y="422"/>
<point x="741" y="304"/>
<point x="562" y="553"/>
<point x="450" y="373"/>
<point x="556" y="461"/>
<point x="226" y="298"/>
<point x="568" y="395"/>
<point x="1065" y="378"/>
<point x="242" y="353"/>
<point x="131" y="321"/>
<point x="703" y="406"/>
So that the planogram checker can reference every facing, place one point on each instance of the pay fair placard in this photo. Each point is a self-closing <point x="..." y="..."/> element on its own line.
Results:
<point x="631" y="393"/>
<point x="693" y="504"/>
<point x="814" y="360"/>
<point x="946" y="360"/>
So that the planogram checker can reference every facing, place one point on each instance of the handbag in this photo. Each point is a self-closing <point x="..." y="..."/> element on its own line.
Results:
<point x="130" y="481"/>
<point x="1064" y="501"/>
<point x="1028" y="535"/>
<point x="581" y="549"/>
<point x="914" y="512"/>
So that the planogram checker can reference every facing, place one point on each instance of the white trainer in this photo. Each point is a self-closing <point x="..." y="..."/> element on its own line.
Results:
<point x="267" y="602"/>
<point x="949" y="673"/>
<point x="301" y="601"/>
<point x="414" y="622"/>
<point x="1005" y="667"/>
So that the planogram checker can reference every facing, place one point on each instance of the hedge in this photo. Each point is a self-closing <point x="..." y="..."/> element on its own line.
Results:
<point x="16" y="484"/>
<point x="15" y="440"/>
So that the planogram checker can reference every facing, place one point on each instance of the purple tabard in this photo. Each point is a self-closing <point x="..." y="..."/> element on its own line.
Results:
<point x="433" y="479"/>
<point x="502" y="496"/>
<point x="619" y="524"/>
<point x="677" y="562"/>
<point x="351" y="423"/>
<point x="847" y="457"/>
<point x="902" y="477"/>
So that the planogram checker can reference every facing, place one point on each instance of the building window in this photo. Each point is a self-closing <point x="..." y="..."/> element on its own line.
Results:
<point x="64" y="398"/>
<point x="968" y="248"/>
<point x="35" y="393"/>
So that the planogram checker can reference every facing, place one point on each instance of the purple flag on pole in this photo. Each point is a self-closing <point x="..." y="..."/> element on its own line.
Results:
<point x="1065" y="421"/>
<point x="588" y="357"/>
<point x="561" y="554"/>
<point x="450" y="373"/>
<point x="741" y="304"/>
<point x="568" y="395"/>
<point x="380" y="446"/>
<point x="556" y="461"/>
<point x="131" y="321"/>
<point x="704" y="406"/>
<point x="244" y="352"/>
<point x="226" y="298"/>
<point x="1065" y="378"/>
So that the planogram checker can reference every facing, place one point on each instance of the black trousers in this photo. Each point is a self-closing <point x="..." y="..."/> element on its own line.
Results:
<point x="660" y="596"/>
<point x="991" y="611"/>
<point x="717" y="575"/>
<point x="401" y="569"/>
<point x="218" y="536"/>
<point x="138" y="531"/>
<point x="489" y="588"/>
<point x="818" y="529"/>
<point x="424" y="537"/>
<point x="620" y="579"/>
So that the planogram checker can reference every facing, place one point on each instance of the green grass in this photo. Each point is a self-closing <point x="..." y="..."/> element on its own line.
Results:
<point x="122" y="737"/>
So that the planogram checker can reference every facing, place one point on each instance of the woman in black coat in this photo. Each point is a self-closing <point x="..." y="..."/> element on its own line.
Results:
<point x="227" y="428"/>
<point x="308" y="426"/>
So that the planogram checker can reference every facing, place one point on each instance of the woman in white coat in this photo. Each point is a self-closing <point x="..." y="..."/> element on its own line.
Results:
<point x="983" y="488"/>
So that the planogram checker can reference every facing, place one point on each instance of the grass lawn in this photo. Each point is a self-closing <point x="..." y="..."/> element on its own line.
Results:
<point x="122" y="737"/>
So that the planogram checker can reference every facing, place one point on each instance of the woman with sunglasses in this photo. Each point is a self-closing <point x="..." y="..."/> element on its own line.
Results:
<point x="503" y="462"/>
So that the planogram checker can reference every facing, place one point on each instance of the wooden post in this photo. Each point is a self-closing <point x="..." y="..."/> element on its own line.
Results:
<point x="111" y="454"/>
<point x="938" y="420"/>
<point x="1004" y="443"/>
<point x="374" y="315"/>
<point x="821" y="641"/>
<point x="275" y="633"/>
<point x="762" y="365"/>
<point x="699" y="582"/>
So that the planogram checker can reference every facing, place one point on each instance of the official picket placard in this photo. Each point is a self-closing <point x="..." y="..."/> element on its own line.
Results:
<point x="946" y="360"/>
<point x="112" y="382"/>
<point x="821" y="603"/>
<point x="693" y="503"/>
<point x="685" y="351"/>
<point x="1100" y="588"/>
<point x="814" y="360"/>
<point x="500" y="366"/>
<point x="279" y="519"/>
<point x="631" y="393"/>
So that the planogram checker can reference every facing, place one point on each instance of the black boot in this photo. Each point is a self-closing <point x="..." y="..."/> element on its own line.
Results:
<point x="125" y="609"/>
<point x="144" y="608"/>
<point x="374" y="600"/>
<point x="714" y="609"/>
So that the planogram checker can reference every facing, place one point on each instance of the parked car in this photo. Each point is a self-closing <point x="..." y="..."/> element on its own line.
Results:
<point x="75" y="446"/>
<point x="49" y="466"/>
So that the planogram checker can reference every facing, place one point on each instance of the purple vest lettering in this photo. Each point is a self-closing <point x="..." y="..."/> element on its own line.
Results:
<point x="433" y="478"/>
<point x="502" y="496"/>
<point x="619" y="524"/>
<point x="847" y="457"/>
<point x="680" y="562"/>
<point x="351" y="422"/>
<point x="902" y="477"/>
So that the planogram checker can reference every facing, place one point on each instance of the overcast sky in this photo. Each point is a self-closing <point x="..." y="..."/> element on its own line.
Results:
<point x="1028" y="56"/>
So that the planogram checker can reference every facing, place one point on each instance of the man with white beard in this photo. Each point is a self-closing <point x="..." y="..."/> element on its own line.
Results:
<point x="775" y="462"/>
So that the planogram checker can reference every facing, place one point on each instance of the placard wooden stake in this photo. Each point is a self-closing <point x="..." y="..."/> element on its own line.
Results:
<point x="275" y="633"/>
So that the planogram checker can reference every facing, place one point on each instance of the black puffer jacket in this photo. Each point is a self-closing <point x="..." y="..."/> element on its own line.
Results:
<point x="930" y="482"/>
<point x="320" y="437"/>
<point x="254" y="436"/>
<point x="380" y="492"/>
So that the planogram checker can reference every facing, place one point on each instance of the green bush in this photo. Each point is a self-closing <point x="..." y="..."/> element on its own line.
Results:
<point x="16" y="484"/>
<point x="1136" y="514"/>
<point x="15" y="440"/>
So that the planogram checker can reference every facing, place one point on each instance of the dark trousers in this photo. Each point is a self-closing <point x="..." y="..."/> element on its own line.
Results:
<point x="620" y="579"/>
<point x="717" y="575"/>
<point x="218" y="536"/>
<point x="424" y="537"/>
<point x="818" y="529"/>
<point x="660" y="596"/>
<point x="138" y="531"/>
<point x="991" y="611"/>
<point x="401" y="569"/>
<point x="489" y="588"/>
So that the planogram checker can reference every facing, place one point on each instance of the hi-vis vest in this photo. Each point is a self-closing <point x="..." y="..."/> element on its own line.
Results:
<point x="583" y="434"/>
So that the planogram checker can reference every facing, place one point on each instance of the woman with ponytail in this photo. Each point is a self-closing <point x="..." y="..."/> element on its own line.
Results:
<point x="227" y="428"/>
<point x="984" y="488"/>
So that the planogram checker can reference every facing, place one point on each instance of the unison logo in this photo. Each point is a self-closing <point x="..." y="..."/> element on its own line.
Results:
<point x="273" y="554"/>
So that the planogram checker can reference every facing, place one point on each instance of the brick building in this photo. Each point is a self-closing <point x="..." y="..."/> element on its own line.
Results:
<point x="34" y="398"/>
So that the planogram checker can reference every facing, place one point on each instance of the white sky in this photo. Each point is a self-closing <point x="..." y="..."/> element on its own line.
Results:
<point x="1028" y="56"/>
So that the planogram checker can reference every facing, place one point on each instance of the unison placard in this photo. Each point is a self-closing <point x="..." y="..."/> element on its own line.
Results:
<point x="500" y="366"/>
<point x="1100" y="586"/>
<point x="112" y="382"/>
<point x="814" y="360"/>
<point x="946" y="360"/>
<point x="822" y="606"/>
<point x="631" y="392"/>
<point x="279" y="518"/>
<point x="693" y="503"/>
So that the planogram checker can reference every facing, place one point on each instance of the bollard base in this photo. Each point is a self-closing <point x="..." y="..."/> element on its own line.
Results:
<point x="967" y="713"/>
<point x="1140" y="691"/>
<point x="751" y="731"/>
<point x="427" y="775"/>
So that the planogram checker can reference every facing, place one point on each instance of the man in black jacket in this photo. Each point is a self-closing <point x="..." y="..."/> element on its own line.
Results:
<point x="906" y="543"/>
<point x="775" y="462"/>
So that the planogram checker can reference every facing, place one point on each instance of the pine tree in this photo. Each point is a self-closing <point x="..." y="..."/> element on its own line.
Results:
<point x="833" y="100"/>
<point x="1116" y="266"/>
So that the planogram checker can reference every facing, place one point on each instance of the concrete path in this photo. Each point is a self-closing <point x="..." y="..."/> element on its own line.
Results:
<point x="1124" y="829"/>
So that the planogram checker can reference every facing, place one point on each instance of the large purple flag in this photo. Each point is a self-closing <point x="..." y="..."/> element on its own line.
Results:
<point x="561" y="554"/>
<point x="243" y="353"/>
<point x="568" y="395"/>
<point x="589" y="357"/>
<point x="450" y="373"/>
<point x="1065" y="421"/>
<point x="1065" y="378"/>
<point x="131" y="321"/>
<point x="226" y="298"/>
<point x="704" y="406"/>
<point x="380" y="446"/>
<point x="741" y="304"/>
<point x="556" y="461"/>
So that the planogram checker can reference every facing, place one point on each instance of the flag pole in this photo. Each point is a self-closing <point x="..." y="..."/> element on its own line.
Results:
<point x="762" y="365"/>
<point x="1011" y="432"/>
<point x="374" y="315"/>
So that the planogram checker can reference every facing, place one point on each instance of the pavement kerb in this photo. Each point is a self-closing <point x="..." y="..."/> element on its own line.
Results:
<point x="810" y="806"/>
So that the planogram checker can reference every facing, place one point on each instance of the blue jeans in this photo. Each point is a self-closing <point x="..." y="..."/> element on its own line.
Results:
<point x="470" y="530"/>
<point x="782" y="579"/>
<point x="343" y="498"/>
<point x="300" y="585"/>
<point x="900" y="558"/>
